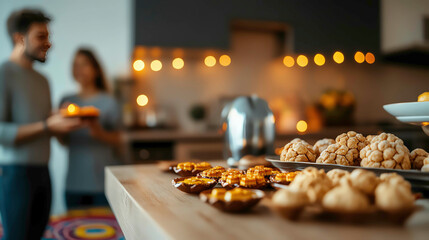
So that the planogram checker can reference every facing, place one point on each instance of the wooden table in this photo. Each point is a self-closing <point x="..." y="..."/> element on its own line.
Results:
<point x="147" y="206"/>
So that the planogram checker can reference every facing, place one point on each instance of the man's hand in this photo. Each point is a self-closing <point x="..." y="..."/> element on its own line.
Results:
<point x="57" y="124"/>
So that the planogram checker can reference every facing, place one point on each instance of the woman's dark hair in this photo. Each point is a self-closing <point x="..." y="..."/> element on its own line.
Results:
<point x="100" y="79"/>
<point x="21" y="20"/>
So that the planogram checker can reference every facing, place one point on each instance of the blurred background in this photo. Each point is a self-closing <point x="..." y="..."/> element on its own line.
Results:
<point x="324" y="67"/>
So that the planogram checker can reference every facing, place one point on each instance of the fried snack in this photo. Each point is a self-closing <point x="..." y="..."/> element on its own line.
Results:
<point x="235" y="200"/>
<point x="370" y="137"/>
<point x="261" y="171"/>
<point x="296" y="140"/>
<point x="215" y="172"/>
<point x="395" y="178"/>
<point x="285" y="177"/>
<point x="186" y="169"/>
<point x="388" y="137"/>
<point x="239" y="194"/>
<point x="385" y="154"/>
<point x="353" y="140"/>
<point x="336" y="175"/>
<point x="364" y="180"/>
<point x="393" y="197"/>
<point x="417" y="157"/>
<point x="312" y="181"/>
<point x="321" y="145"/>
<point x="218" y="193"/>
<point x="345" y="199"/>
<point x="338" y="154"/>
<point x="187" y="166"/>
<point x="193" y="184"/>
<point x="298" y="151"/>
<point x="290" y="198"/>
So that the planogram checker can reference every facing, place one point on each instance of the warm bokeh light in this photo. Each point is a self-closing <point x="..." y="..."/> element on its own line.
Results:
<point x="224" y="60"/>
<point x="72" y="108"/>
<point x="156" y="65"/>
<point x="319" y="59"/>
<point x="302" y="60"/>
<point x="359" y="57"/>
<point x="138" y="65"/>
<point x="210" y="61"/>
<point x="338" y="57"/>
<point x="301" y="126"/>
<point x="178" y="63"/>
<point x="142" y="100"/>
<point x="369" y="58"/>
<point x="288" y="61"/>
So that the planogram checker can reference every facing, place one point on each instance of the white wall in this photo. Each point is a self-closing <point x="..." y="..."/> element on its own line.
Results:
<point x="104" y="25"/>
<point x="402" y="23"/>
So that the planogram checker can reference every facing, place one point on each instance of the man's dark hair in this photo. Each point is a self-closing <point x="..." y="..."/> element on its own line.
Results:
<point x="21" y="20"/>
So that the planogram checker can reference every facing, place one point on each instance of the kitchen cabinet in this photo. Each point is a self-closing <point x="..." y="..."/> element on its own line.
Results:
<point x="317" y="26"/>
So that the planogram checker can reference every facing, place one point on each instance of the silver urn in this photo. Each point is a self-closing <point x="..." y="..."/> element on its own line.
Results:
<point x="249" y="128"/>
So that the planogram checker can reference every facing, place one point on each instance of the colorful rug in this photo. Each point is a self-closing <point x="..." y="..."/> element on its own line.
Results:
<point x="95" y="223"/>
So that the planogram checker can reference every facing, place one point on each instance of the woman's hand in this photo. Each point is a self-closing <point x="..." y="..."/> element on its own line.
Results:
<point x="97" y="131"/>
<point x="95" y="128"/>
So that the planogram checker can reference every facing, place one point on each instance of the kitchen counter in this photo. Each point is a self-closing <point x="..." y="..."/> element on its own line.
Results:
<point x="147" y="206"/>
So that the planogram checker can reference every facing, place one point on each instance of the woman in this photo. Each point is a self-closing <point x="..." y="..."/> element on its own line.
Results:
<point x="91" y="148"/>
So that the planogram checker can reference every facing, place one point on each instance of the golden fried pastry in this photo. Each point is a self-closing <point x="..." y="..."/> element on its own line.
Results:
<point x="248" y="181"/>
<point x="385" y="154"/>
<point x="370" y="137"/>
<point x="312" y="181"/>
<point x="388" y="137"/>
<point x="351" y="139"/>
<point x="417" y="156"/>
<point x="286" y="177"/>
<point x="197" y="181"/>
<point x="336" y="175"/>
<point x="344" y="198"/>
<point x="218" y="193"/>
<point x="187" y="166"/>
<point x="215" y="172"/>
<point x="298" y="152"/>
<point x="234" y="179"/>
<point x="364" y="181"/>
<point x="239" y="194"/>
<point x="395" y="179"/>
<point x="321" y="145"/>
<point x="393" y="197"/>
<point x="290" y="198"/>
<point x="202" y="166"/>
<point x="338" y="154"/>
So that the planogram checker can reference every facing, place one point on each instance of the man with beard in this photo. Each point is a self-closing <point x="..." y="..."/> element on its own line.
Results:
<point x="26" y="124"/>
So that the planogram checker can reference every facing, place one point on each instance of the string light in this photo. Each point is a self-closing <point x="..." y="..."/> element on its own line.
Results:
<point x="288" y="61"/>
<point x="210" y="61"/>
<point x="338" y="57"/>
<point x="178" y="63"/>
<point x="224" y="60"/>
<point x="142" y="100"/>
<point x="156" y="65"/>
<point x="302" y="60"/>
<point x="359" y="57"/>
<point x="138" y="65"/>
<point x="319" y="59"/>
